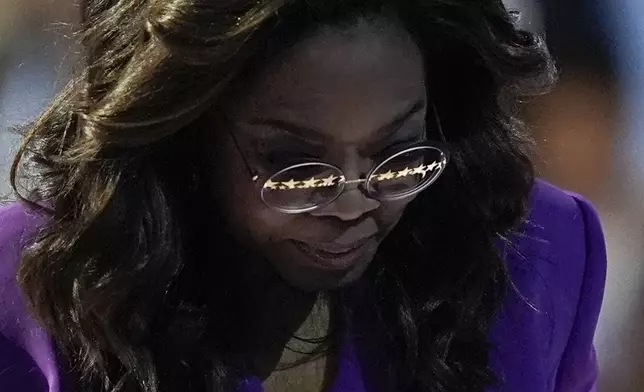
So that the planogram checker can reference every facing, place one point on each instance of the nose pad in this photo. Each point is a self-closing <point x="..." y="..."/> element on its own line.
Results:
<point x="350" y="205"/>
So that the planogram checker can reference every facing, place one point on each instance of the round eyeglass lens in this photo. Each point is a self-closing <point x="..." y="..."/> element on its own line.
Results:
<point x="406" y="173"/>
<point x="303" y="187"/>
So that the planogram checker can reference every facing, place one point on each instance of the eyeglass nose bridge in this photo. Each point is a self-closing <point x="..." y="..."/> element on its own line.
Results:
<point x="358" y="184"/>
<point x="356" y="181"/>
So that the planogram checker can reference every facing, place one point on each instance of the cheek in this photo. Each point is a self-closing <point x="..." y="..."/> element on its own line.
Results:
<point x="389" y="213"/>
<point x="241" y="205"/>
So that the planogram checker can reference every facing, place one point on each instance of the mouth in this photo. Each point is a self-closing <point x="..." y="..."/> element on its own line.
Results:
<point x="335" y="257"/>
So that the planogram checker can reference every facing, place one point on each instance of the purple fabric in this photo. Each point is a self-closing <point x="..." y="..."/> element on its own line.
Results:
<point x="542" y="337"/>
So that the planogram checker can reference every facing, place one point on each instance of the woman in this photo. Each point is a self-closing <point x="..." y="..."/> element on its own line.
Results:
<point x="302" y="195"/>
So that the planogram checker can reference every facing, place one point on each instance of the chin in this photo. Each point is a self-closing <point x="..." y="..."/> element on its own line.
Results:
<point x="304" y="272"/>
<point x="311" y="280"/>
<point x="328" y="284"/>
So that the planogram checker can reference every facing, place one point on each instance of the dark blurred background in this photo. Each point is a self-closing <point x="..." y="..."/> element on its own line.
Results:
<point x="587" y="130"/>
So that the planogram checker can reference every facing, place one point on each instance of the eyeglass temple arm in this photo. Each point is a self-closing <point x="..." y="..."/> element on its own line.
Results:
<point x="254" y="175"/>
<point x="438" y="123"/>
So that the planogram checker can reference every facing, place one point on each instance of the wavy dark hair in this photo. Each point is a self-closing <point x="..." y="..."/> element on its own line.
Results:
<point x="117" y="274"/>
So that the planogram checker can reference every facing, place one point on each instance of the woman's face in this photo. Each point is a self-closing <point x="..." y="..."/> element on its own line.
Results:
<point x="341" y="97"/>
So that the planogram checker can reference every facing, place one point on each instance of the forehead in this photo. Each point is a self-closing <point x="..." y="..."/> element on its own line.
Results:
<point x="341" y="82"/>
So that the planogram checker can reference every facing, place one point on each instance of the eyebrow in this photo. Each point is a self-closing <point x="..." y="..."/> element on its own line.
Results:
<point x="401" y="119"/>
<point x="305" y="133"/>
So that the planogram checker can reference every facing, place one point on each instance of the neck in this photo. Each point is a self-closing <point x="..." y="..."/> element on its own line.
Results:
<point x="278" y="314"/>
<point x="275" y="312"/>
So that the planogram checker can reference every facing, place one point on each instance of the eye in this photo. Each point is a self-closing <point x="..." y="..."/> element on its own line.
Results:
<point x="397" y="146"/>
<point x="281" y="158"/>
<point x="277" y="154"/>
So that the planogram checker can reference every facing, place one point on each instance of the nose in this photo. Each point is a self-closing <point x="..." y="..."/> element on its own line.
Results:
<point x="353" y="203"/>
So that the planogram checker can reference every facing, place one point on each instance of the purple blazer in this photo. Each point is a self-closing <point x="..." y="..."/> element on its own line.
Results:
<point x="543" y="335"/>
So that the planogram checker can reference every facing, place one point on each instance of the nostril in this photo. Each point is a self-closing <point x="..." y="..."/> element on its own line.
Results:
<point x="349" y="206"/>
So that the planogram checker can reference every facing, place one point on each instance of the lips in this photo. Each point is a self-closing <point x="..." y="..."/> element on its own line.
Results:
<point x="335" y="256"/>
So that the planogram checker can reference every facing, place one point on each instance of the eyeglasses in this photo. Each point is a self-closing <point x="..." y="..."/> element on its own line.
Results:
<point x="310" y="185"/>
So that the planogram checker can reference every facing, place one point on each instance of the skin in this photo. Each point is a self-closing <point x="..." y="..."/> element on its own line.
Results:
<point x="351" y="94"/>
<point x="342" y="90"/>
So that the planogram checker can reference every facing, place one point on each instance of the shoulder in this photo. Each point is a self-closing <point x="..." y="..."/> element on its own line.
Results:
<point x="18" y="225"/>
<point x="24" y="346"/>
<point x="559" y="252"/>
<point x="562" y="235"/>
<point x="551" y="207"/>
<point x="557" y="268"/>
<point x="15" y="219"/>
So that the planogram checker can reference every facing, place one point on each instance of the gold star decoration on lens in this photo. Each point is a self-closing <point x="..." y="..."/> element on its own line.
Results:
<point x="291" y="184"/>
<point x="386" y="176"/>
<point x="403" y="173"/>
<point x="421" y="170"/>
<point x="331" y="180"/>
<point x="271" y="185"/>
<point x="310" y="183"/>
